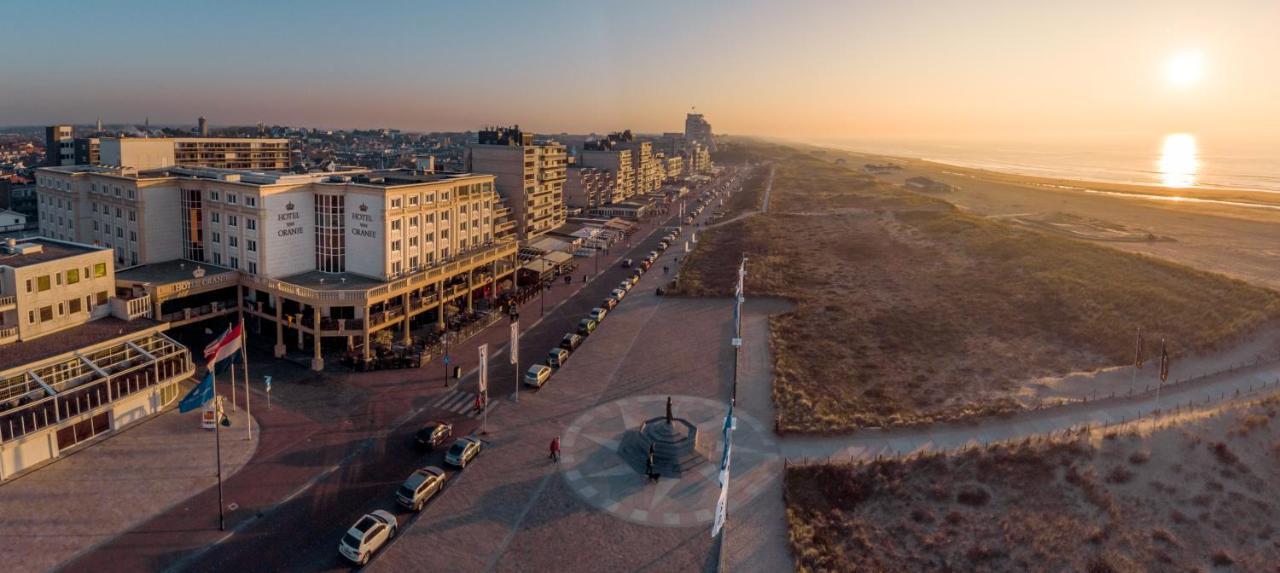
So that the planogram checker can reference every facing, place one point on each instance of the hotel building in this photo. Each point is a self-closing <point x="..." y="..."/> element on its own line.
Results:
<point x="329" y="258"/>
<point x="529" y="175"/>
<point x="77" y="360"/>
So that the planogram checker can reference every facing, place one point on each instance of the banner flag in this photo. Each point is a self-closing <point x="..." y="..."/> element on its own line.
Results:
<point x="515" y="342"/>
<point x="198" y="396"/>
<point x="484" y="369"/>
<point x="226" y="345"/>
<point x="723" y="502"/>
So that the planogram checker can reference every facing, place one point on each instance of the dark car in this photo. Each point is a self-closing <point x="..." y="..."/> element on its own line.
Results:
<point x="571" y="342"/>
<point x="626" y="263"/>
<point x="609" y="303"/>
<point x="586" y="326"/>
<point x="433" y="435"/>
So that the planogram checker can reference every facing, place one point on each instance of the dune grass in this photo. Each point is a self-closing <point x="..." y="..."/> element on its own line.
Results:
<point x="1188" y="497"/>
<point x="910" y="311"/>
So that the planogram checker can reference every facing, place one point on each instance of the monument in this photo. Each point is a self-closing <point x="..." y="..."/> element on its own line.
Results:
<point x="674" y="443"/>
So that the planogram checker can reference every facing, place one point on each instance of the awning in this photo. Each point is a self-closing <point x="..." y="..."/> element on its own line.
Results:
<point x="558" y="258"/>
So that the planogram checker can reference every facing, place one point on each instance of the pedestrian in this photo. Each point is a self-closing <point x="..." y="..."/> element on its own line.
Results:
<point x="555" y="449"/>
<point x="479" y="403"/>
<point x="584" y="279"/>
<point x="648" y="466"/>
<point x="665" y="269"/>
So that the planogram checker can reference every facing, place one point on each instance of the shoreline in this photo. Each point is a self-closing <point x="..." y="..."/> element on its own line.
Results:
<point x="1230" y="197"/>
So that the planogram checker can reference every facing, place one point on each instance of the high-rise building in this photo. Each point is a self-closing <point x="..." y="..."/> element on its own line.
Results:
<point x="590" y="188"/>
<point x="203" y="127"/>
<point x="59" y="145"/>
<point x="529" y="175"/>
<point x="697" y="129"/>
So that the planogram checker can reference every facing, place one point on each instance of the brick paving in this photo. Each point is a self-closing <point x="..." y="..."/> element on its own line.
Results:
<point x="87" y="497"/>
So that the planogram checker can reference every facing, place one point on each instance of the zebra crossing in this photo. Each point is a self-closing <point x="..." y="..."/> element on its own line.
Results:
<point x="459" y="402"/>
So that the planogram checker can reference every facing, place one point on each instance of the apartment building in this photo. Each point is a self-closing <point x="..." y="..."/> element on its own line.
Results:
<point x="590" y="188"/>
<point x="648" y="172"/>
<point x="529" y="175"/>
<point x="601" y="155"/>
<point x="59" y="145"/>
<point x="76" y="360"/>
<point x="331" y="258"/>
<point x="698" y="130"/>
<point x="144" y="153"/>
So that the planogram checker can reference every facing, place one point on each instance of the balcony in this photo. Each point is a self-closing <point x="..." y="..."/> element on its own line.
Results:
<point x="8" y="302"/>
<point x="8" y="334"/>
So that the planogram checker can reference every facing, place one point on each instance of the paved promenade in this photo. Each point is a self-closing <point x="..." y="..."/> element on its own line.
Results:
<point x="63" y="509"/>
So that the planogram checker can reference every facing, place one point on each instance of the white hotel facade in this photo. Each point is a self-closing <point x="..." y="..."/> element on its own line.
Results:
<point x="328" y="258"/>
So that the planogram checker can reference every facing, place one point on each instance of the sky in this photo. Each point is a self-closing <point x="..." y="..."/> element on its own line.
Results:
<point x="818" y="70"/>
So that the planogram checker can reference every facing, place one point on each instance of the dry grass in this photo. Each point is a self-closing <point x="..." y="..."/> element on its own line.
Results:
<point x="912" y="312"/>
<point x="1047" y="506"/>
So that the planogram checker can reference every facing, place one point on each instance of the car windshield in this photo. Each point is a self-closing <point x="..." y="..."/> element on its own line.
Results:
<point x="415" y="480"/>
<point x="457" y="448"/>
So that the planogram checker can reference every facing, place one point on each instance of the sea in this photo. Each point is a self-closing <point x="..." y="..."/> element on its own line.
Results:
<point x="1177" y="160"/>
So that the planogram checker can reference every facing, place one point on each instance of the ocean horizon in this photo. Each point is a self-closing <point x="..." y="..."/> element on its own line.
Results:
<point x="1178" y="160"/>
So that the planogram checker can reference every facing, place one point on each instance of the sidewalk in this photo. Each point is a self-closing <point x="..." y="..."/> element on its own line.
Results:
<point x="54" y="513"/>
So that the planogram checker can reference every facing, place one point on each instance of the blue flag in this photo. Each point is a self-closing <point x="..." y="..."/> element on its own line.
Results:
<point x="203" y="392"/>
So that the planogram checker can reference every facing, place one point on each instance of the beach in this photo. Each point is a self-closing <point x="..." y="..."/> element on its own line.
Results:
<point x="1233" y="232"/>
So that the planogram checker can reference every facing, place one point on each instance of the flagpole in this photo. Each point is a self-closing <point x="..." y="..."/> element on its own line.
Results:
<point x="244" y="358"/>
<point x="233" y="383"/>
<point x="217" y="439"/>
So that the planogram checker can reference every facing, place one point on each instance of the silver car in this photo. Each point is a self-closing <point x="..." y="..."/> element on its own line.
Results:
<point x="420" y="487"/>
<point x="463" y="451"/>
<point x="367" y="536"/>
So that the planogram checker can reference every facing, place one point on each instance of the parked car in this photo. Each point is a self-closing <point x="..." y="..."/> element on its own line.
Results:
<point x="537" y="375"/>
<point x="367" y="536"/>
<point x="664" y="244"/>
<point x="571" y="341"/>
<point x="556" y="357"/>
<point x="586" y="326"/>
<point x="422" y="484"/>
<point x="433" y="435"/>
<point x="627" y="283"/>
<point x="626" y="263"/>
<point x="462" y="451"/>
<point x="653" y="256"/>
<point x="618" y="293"/>
<point x="597" y="314"/>
<point x="609" y="303"/>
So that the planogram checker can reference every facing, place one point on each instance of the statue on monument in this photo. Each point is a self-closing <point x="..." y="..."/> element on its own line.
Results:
<point x="670" y="417"/>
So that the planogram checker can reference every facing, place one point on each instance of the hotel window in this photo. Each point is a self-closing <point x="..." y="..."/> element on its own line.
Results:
<point x="395" y="224"/>
<point x="94" y="207"/>
<point x="395" y="268"/>
<point x="119" y="232"/>
<point x="430" y="218"/>
<point x="119" y="213"/>
<point x="133" y="257"/>
<point x="430" y="237"/>
<point x="232" y="220"/>
<point x="413" y="241"/>
<point x="192" y="225"/>
<point x="217" y="258"/>
<point x="43" y="283"/>
<point x="331" y="247"/>
<point x="395" y="246"/>
<point x="29" y="285"/>
<point x="232" y="198"/>
<point x="429" y="198"/>
<point x="251" y="224"/>
<point x="251" y="246"/>
<point x="102" y="298"/>
<point x="31" y="316"/>
<point x="253" y="268"/>
<point x="133" y="216"/>
<point x="413" y="262"/>
<point x="413" y="200"/>
<point x="395" y="203"/>
<point x="462" y="245"/>
<point x="46" y="313"/>
<point x="215" y="217"/>
<point x="213" y="195"/>
<point x="250" y="201"/>
<point x="133" y="236"/>
<point x="235" y="263"/>
<point x="130" y="193"/>
<point x="444" y="216"/>
<point x="233" y="241"/>
<point x="217" y="237"/>
<point x="117" y="190"/>
<point x="413" y="221"/>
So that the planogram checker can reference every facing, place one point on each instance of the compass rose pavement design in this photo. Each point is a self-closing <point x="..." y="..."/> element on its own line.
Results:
<point x="593" y="469"/>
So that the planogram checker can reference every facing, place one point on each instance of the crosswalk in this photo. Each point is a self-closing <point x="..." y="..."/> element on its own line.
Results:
<point x="459" y="402"/>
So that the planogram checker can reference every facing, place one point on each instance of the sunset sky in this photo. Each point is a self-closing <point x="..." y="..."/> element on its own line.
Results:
<point x="977" y="69"/>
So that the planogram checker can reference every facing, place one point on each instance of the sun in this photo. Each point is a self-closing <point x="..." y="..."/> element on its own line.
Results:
<point x="1185" y="69"/>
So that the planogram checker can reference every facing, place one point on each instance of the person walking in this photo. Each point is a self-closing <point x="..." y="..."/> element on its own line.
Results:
<point x="555" y="449"/>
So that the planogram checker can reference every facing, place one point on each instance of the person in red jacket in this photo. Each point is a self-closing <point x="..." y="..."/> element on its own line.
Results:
<point x="555" y="449"/>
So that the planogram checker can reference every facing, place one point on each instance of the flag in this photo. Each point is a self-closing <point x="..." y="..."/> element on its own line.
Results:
<point x="484" y="369"/>
<point x="225" y="346"/>
<point x="1138" y="358"/>
<point x="515" y="342"/>
<point x="203" y="392"/>
<point x="723" y="502"/>
<point x="1164" y="361"/>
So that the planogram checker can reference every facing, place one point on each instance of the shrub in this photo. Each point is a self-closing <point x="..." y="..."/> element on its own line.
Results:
<point x="973" y="495"/>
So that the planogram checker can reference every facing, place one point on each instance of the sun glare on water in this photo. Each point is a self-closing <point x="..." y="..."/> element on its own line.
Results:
<point x="1185" y="69"/>
<point x="1179" y="161"/>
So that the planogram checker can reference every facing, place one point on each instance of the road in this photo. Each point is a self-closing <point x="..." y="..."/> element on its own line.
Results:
<point x="335" y="446"/>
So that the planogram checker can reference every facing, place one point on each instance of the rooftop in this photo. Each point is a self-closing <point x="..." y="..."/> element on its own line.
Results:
<point x="50" y="250"/>
<point x="71" y="340"/>
<point x="168" y="272"/>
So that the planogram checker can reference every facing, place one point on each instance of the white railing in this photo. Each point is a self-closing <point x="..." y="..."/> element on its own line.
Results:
<point x="8" y="301"/>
